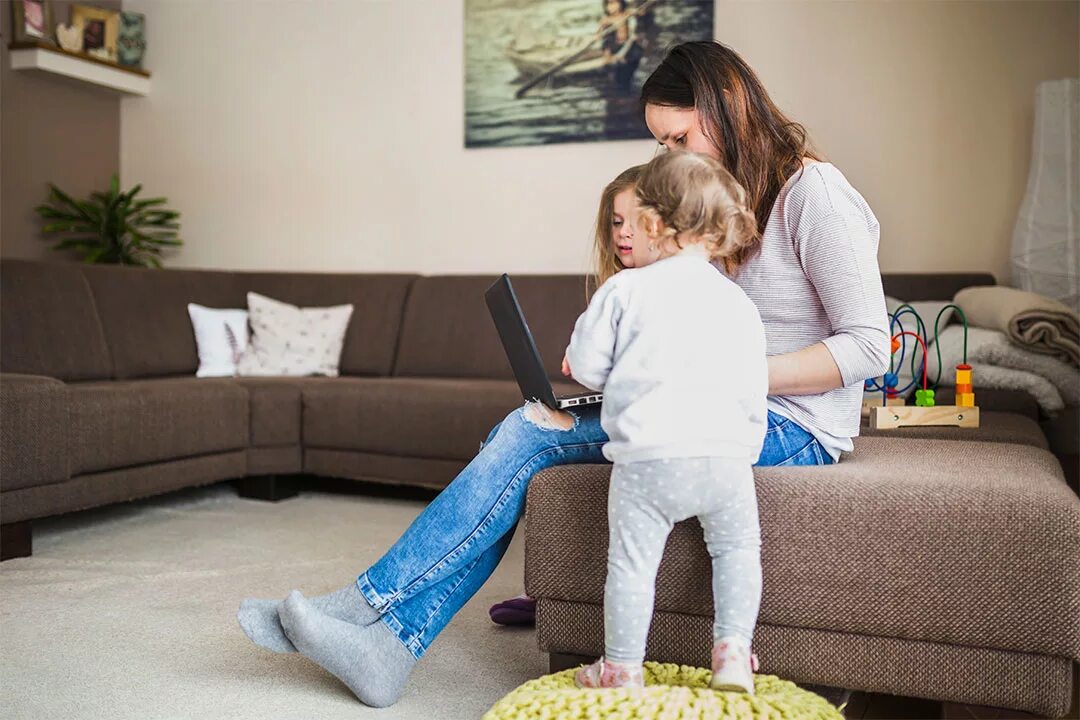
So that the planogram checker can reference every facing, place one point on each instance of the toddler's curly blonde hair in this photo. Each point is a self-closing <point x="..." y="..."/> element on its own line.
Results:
<point x="688" y="197"/>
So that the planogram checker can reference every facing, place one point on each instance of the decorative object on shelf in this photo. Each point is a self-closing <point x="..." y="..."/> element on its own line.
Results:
<point x="111" y="227"/>
<point x="131" y="44"/>
<point x="31" y="20"/>
<point x="70" y="37"/>
<point x="101" y="29"/>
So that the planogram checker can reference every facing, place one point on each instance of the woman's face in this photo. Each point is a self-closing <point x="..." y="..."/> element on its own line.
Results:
<point x="623" y="221"/>
<point x="679" y="129"/>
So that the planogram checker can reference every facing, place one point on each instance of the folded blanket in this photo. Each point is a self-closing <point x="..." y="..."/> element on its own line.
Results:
<point x="986" y="346"/>
<point x="1001" y="352"/>
<point x="1037" y="323"/>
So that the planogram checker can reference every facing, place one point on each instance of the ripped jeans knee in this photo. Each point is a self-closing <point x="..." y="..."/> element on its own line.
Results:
<point x="543" y="417"/>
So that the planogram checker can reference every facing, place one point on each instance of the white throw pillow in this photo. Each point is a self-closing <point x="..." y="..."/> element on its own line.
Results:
<point x="288" y="340"/>
<point x="221" y="337"/>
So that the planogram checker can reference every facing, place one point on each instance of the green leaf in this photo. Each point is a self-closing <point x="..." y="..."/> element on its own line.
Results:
<point x="142" y="204"/>
<point x="64" y="226"/>
<point x="93" y="255"/>
<point x="59" y="197"/>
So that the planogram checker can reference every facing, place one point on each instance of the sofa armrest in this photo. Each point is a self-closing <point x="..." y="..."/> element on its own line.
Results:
<point x="33" y="431"/>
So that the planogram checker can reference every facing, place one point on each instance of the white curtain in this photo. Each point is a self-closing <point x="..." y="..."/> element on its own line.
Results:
<point x="1046" y="241"/>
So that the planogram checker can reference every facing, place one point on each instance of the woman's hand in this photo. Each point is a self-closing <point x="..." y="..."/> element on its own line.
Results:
<point x="565" y="366"/>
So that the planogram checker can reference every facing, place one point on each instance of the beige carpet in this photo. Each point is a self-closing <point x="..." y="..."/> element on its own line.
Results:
<point x="129" y="612"/>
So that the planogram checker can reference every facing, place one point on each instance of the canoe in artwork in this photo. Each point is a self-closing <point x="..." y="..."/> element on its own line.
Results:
<point x="536" y="60"/>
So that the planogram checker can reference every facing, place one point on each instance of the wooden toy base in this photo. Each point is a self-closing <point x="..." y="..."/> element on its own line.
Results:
<point x="889" y="418"/>
<point x="870" y="404"/>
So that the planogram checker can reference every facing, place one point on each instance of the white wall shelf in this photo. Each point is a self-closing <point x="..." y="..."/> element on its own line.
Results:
<point x="79" y="66"/>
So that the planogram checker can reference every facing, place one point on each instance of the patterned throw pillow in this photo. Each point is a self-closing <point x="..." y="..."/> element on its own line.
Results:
<point x="288" y="340"/>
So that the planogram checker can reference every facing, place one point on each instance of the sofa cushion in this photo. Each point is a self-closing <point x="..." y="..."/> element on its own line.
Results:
<point x="966" y="543"/>
<point x="124" y="423"/>
<point x="378" y="302"/>
<point x="145" y="317"/>
<point x="1004" y="427"/>
<point x="123" y="484"/>
<point x="49" y="325"/>
<point x="33" y="431"/>
<point x="444" y="419"/>
<point x="275" y="407"/>
<point x="447" y="331"/>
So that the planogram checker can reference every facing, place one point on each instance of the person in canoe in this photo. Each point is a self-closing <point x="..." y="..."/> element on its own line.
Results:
<point x="622" y="47"/>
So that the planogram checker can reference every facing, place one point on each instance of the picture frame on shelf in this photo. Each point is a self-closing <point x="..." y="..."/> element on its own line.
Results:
<point x="32" y="21"/>
<point x="101" y="30"/>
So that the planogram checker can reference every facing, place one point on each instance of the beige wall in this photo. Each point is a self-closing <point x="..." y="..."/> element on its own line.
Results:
<point x="328" y="135"/>
<point x="53" y="130"/>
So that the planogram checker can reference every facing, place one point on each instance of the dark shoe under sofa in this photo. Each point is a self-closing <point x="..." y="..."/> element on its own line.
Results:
<point x="934" y="563"/>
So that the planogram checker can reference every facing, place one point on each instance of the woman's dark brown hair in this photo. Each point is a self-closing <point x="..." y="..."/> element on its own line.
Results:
<point x="757" y="144"/>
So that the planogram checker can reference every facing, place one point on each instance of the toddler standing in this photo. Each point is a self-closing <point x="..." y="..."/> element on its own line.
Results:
<point x="679" y="352"/>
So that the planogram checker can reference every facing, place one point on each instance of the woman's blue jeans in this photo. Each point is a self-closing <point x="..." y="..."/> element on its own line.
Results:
<point x="454" y="545"/>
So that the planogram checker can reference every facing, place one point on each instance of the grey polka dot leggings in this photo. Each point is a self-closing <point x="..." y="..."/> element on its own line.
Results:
<point x="645" y="500"/>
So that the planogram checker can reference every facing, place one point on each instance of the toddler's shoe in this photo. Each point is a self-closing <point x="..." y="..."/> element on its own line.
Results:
<point x="733" y="666"/>
<point x="606" y="674"/>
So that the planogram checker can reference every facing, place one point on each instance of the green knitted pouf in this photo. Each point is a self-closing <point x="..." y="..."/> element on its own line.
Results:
<point x="671" y="691"/>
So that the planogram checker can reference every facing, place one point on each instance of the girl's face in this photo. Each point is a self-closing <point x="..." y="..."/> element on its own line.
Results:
<point x="679" y="129"/>
<point x="623" y="222"/>
<point x="613" y="7"/>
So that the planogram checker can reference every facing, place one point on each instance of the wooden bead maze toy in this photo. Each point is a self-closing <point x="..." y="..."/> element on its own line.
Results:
<point x="892" y="413"/>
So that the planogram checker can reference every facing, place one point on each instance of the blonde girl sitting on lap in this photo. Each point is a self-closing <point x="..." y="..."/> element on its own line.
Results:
<point x="679" y="352"/>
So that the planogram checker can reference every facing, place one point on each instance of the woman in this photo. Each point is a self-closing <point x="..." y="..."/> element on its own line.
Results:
<point x="815" y="280"/>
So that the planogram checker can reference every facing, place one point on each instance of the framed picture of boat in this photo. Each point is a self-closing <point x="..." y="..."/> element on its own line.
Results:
<point x="559" y="71"/>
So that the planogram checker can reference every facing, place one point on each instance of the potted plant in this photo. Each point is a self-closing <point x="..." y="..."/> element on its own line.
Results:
<point x="111" y="227"/>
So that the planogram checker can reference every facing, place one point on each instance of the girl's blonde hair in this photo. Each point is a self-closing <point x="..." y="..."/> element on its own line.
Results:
<point x="605" y="259"/>
<point x="685" y="194"/>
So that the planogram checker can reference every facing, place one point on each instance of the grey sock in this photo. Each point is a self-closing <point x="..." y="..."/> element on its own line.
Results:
<point x="259" y="618"/>
<point x="368" y="658"/>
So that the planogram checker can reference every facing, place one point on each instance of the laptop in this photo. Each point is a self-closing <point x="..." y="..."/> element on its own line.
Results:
<point x="521" y="350"/>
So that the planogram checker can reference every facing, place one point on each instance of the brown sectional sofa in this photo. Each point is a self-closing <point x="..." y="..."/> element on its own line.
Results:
<point x="101" y="404"/>
<point x="935" y="563"/>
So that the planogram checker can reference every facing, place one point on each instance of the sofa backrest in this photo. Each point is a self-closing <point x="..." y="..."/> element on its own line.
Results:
<point x="378" y="304"/>
<point x="915" y="287"/>
<point x="49" y="322"/>
<point x="78" y="322"/>
<point x="144" y="314"/>
<point x="95" y="322"/>
<point x="447" y="331"/>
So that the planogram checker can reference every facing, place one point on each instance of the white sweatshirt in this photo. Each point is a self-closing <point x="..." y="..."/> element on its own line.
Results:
<point x="679" y="352"/>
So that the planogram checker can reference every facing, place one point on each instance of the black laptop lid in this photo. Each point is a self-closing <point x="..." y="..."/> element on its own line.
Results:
<point x="518" y="342"/>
